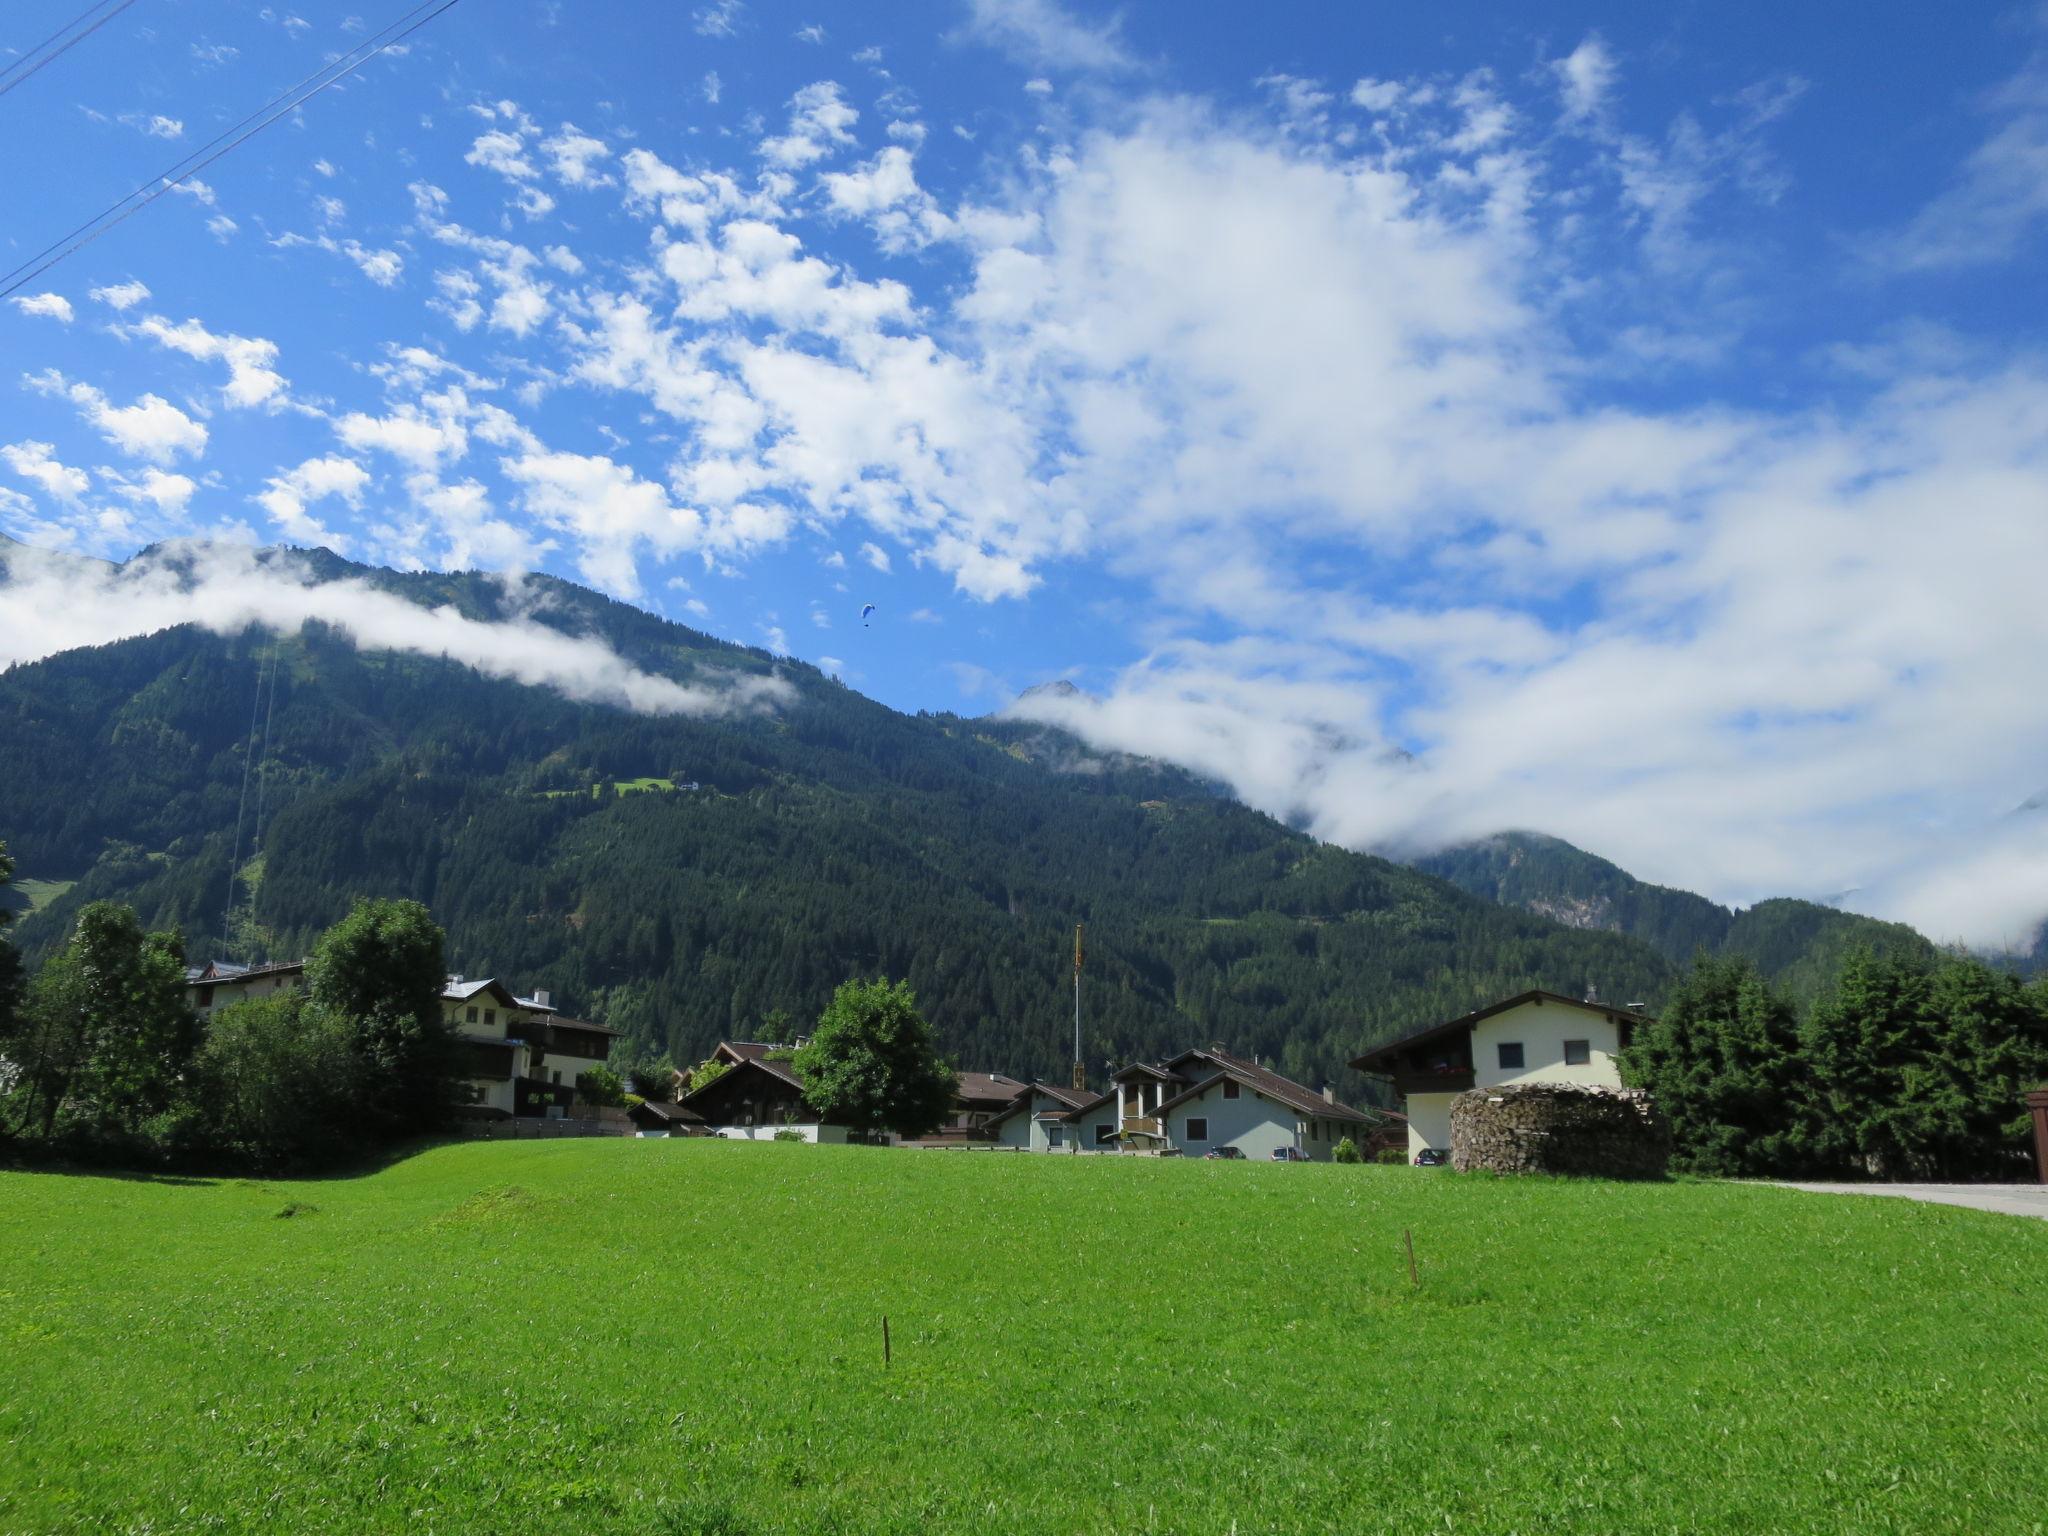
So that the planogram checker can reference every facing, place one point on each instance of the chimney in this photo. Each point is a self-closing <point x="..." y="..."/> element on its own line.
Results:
<point x="1329" y="1094"/>
<point x="542" y="999"/>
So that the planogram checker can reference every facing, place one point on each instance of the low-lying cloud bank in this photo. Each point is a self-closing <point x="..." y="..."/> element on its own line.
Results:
<point x="51" y="603"/>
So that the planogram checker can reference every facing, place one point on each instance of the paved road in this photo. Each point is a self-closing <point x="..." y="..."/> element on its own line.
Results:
<point x="2010" y="1199"/>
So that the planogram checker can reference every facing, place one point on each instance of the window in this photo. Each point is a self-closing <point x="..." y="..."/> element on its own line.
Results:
<point x="470" y="1017"/>
<point x="490" y="1015"/>
<point x="1577" y="1053"/>
<point x="1104" y="1135"/>
<point x="1052" y="1135"/>
<point x="1510" y="1054"/>
<point x="1198" y="1130"/>
<point x="1230" y="1088"/>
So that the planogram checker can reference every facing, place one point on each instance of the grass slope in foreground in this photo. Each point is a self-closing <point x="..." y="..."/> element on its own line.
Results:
<point x="645" y="1336"/>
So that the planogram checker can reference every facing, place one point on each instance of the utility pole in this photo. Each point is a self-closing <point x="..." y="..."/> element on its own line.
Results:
<point x="1080" y="1071"/>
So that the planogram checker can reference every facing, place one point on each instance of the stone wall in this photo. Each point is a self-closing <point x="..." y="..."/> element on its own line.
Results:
<point x="1609" y="1133"/>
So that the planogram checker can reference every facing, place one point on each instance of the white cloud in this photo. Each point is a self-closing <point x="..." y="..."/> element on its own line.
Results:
<point x="876" y="556"/>
<point x="49" y="604"/>
<point x="252" y="378"/>
<point x="719" y="19"/>
<point x="121" y="296"/>
<point x="711" y="88"/>
<point x="819" y="120"/>
<point x="292" y="492"/>
<point x="1044" y="33"/>
<point x="152" y="428"/>
<point x="1585" y="77"/>
<point x="419" y="438"/>
<point x="810" y="34"/>
<point x="161" y="127"/>
<point x="575" y="156"/>
<point x="504" y="153"/>
<point x="53" y="306"/>
<point x="37" y="462"/>
<point x="2000" y="196"/>
<point x="222" y="228"/>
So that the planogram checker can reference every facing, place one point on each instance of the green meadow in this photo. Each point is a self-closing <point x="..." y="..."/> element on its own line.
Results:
<point x="686" y="1337"/>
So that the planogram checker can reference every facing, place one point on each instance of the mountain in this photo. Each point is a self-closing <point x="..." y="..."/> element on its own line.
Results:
<point x="561" y="845"/>
<point x="1798" y="944"/>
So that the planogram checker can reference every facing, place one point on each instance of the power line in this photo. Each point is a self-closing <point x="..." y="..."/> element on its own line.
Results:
<point x="279" y="106"/>
<point x="7" y="85"/>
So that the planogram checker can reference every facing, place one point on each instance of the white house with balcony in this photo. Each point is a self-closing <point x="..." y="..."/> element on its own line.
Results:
<point x="1532" y="1037"/>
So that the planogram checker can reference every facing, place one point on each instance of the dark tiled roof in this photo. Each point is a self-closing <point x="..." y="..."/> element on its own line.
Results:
<point x="1379" y="1053"/>
<point x="586" y="1025"/>
<point x="1265" y="1080"/>
<point x="677" y="1113"/>
<point x="1063" y="1099"/>
<point x="991" y="1087"/>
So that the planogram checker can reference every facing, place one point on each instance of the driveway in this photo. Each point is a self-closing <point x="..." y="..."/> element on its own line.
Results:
<point x="2007" y="1199"/>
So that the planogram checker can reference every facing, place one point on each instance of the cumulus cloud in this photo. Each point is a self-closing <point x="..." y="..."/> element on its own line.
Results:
<point x="49" y="604"/>
<point x="122" y="296"/>
<point x="252" y="378"/>
<point x="1585" y="76"/>
<point x="37" y="462"/>
<point x="53" y="306"/>
<point x="820" y="120"/>
<point x="152" y="428"/>
<point x="292" y="492"/>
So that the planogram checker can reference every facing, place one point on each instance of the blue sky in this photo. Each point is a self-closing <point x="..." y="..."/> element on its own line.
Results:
<point x="1622" y="421"/>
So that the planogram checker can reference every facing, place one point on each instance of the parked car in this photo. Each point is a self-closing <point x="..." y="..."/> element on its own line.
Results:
<point x="1430" y="1157"/>
<point x="1226" y="1153"/>
<point x="1289" y="1155"/>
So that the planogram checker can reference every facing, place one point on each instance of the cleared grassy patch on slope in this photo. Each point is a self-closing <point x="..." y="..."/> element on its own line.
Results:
<point x="685" y="1337"/>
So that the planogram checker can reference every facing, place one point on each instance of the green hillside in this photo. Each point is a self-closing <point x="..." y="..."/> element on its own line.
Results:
<point x="831" y="838"/>
<point x="685" y="1337"/>
<point x="1799" y="944"/>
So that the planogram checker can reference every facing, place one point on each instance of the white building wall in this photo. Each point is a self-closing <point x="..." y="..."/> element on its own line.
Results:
<point x="1429" y="1122"/>
<point x="1542" y="1029"/>
<point x="1252" y="1123"/>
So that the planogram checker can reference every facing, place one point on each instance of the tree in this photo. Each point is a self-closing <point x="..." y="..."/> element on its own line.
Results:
<point x="12" y="981"/>
<point x="281" y="1081"/>
<point x="380" y="969"/>
<point x="1722" y="1062"/>
<point x="1920" y="1070"/>
<point x="872" y="1064"/>
<point x="109" y="1037"/>
<point x="602" y="1086"/>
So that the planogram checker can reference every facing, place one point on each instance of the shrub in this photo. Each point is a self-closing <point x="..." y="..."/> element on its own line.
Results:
<point x="1346" y="1151"/>
<point x="601" y="1086"/>
<point x="1395" y="1155"/>
<point x="790" y="1133"/>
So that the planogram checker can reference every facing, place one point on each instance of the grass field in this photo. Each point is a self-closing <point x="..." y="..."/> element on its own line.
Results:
<point x="598" y="1336"/>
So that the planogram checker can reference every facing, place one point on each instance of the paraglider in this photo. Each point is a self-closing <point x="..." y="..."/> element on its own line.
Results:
<point x="866" y="609"/>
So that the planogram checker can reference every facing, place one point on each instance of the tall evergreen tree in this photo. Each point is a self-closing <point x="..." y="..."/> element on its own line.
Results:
<point x="12" y="978"/>
<point x="1722" y="1061"/>
<point x="1860" y="1042"/>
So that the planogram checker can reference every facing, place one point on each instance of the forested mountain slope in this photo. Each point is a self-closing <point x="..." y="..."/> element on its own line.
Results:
<point x="828" y="838"/>
<point x="1799" y="944"/>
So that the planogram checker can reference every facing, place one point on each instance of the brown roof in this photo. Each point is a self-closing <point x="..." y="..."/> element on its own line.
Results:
<point x="1263" y="1080"/>
<point x="990" y="1086"/>
<point x="1065" y="1098"/>
<point x="585" y="1024"/>
<point x="673" y="1112"/>
<point x="1369" y="1061"/>
<point x="776" y="1069"/>
<point x="746" y="1050"/>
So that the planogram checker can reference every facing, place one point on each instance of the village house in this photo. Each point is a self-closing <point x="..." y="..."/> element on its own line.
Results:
<point x="978" y="1098"/>
<point x="761" y="1093"/>
<point x="1035" y="1118"/>
<point x="1532" y="1037"/>
<point x="520" y="1056"/>
<point x="1205" y="1100"/>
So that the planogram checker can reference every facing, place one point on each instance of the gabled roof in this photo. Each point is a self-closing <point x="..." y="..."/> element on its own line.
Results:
<point x="674" y="1113"/>
<point x="227" y="970"/>
<point x="1064" y="1098"/>
<point x="987" y="1086"/>
<point x="779" y="1070"/>
<point x="1379" y="1053"/>
<point x="737" y="1051"/>
<point x="1165" y="1074"/>
<point x="1265" y="1081"/>
<point x="1087" y="1107"/>
<point x="462" y="989"/>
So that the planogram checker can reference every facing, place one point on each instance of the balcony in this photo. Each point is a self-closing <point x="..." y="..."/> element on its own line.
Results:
<point x="1444" y="1080"/>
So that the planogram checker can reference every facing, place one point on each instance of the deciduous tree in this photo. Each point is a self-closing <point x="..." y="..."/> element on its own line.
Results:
<point x="872" y="1064"/>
